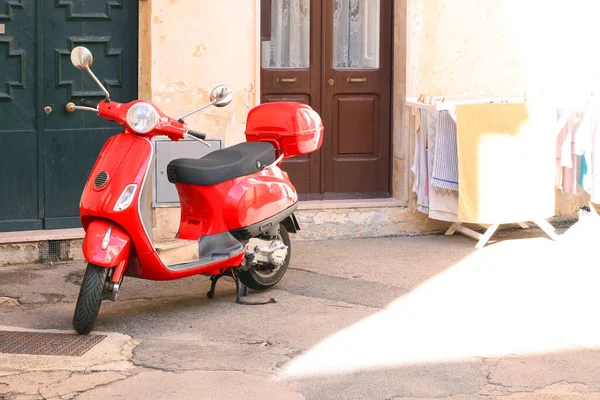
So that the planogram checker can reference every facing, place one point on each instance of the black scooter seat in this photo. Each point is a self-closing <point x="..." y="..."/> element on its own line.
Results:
<point x="222" y="165"/>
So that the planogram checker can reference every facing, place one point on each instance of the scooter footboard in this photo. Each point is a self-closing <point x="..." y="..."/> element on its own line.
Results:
<point x="106" y="244"/>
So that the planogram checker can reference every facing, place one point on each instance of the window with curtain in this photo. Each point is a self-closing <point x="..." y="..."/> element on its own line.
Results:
<point x="289" y="46"/>
<point x="356" y="34"/>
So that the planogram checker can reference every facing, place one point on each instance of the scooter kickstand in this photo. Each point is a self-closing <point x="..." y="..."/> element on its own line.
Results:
<point x="242" y="290"/>
<point x="213" y="285"/>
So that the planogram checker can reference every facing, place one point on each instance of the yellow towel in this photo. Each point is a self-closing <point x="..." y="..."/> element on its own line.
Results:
<point x="506" y="162"/>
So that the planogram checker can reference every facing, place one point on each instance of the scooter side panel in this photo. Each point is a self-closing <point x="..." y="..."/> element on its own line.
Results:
<point x="258" y="197"/>
<point x="234" y="204"/>
<point x="202" y="209"/>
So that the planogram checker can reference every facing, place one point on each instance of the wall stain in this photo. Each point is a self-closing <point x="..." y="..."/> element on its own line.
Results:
<point x="249" y="97"/>
<point x="165" y="92"/>
<point x="199" y="50"/>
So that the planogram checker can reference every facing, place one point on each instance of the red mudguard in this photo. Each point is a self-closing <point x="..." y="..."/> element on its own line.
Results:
<point x="107" y="249"/>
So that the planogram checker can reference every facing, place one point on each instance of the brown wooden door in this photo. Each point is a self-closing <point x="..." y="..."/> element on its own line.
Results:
<point x="335" y="55"/>
<point x="356" y="97"/>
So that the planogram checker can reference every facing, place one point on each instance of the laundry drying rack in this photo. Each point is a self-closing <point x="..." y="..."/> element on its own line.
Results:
<point x="448" y="103"/>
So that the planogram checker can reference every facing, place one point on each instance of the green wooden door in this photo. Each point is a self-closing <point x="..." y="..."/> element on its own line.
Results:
<point x="48" y="150"/>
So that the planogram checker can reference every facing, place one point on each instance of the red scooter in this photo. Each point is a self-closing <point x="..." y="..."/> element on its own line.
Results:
<point x="237" y="205"/>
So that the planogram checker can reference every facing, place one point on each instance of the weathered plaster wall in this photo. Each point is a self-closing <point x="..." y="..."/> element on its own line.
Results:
<point x="400" y="138"/>
<point x="465" y="46"/>
<point x="197" y="45"/>
<point x="504" y="47"/>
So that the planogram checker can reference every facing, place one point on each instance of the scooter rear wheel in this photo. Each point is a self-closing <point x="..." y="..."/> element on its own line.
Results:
<point x="90" y="297"/>
<point x="262" y="280"/>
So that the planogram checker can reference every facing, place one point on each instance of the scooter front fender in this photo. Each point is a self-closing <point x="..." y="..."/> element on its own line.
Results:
<point x="107" y="245"/>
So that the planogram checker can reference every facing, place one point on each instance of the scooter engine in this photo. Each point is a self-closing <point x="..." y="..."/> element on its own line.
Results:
<point x="265" y="254"/>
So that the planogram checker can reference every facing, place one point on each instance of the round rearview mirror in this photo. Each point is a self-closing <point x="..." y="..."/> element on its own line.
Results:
<point x="81" y="57"/>
<point x="221" y="96"/>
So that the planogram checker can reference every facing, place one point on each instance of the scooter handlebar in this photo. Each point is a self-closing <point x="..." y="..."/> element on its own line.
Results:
<point x="197" y="134"/>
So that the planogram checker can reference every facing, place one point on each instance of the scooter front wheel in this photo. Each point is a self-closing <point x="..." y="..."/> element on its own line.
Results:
<point x="90" y="297"/>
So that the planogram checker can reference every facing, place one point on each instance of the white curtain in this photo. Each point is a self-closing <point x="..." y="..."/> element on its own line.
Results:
<point x="289" y="46"/>
<point x="356" y="34"/>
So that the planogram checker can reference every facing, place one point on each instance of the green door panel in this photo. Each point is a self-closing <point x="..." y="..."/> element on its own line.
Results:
<point x="18" y="129"/>
<point x="72" y="141"/>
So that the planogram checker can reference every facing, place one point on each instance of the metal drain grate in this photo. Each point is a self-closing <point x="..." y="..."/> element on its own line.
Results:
<point x="47" y="344"/>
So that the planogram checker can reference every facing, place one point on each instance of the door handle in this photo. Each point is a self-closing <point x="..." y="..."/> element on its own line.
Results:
<point x="357" y="80"/>
<point x="287" y="80"/>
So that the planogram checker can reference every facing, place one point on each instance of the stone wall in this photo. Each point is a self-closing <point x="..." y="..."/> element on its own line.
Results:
<point x="36" y="251"/>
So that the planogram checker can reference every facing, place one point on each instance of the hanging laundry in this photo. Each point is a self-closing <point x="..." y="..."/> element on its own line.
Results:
<point x="562" y="150"/>
<point x="583" y="171"/>
<point x="585" y="146"/>
<point x="443" y="203"/>
<point x="425" y="136"/>
<point x="419" y="168"/>
<point x="595" y="192"/>
<point x="445" y="166"/>
<point x="569" y="176"/>
<point x="566" y="159"/>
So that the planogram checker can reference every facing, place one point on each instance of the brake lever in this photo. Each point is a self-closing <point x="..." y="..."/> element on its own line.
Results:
<point x="198" y="139"/>
<point x="71" y="107"/>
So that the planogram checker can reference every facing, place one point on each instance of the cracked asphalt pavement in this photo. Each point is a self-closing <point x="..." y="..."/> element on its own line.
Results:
<point x="425" y="317"/>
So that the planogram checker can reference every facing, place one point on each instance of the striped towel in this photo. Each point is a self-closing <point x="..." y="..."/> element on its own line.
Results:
<point x="445" y="165"/>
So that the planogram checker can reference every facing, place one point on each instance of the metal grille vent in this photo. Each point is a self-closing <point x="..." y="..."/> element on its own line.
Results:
<point x="54" y="250"/>
<point x="47" y="344"/>
<point x="101" y="179"/>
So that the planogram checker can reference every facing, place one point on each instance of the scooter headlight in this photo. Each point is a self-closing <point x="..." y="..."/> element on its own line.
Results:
<point x="142" y="117"/>
<point x="126" y="198"/>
